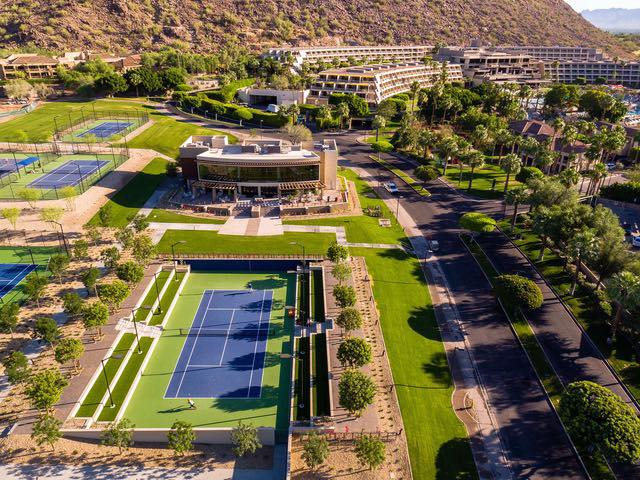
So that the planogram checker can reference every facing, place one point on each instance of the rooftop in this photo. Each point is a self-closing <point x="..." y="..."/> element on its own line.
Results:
<point x="373" y="69"/>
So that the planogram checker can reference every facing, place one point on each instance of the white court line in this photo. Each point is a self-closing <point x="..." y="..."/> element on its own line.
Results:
<point x="224" y="348"/>
<point x="192" y="347"/>
<point x="255" y="347"/>
<point x="11" y="281"/>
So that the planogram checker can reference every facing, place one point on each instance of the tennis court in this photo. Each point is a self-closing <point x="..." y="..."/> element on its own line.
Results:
<point x="106" y="129"/>
<point x="224" y="351"/>
<point x="11" y="274"/>
<point x="69" y="174"/>
<point x="10" y="163"/>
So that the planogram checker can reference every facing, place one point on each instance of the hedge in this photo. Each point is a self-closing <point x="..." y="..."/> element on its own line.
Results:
<point x="228" y="92"/>
<point x="527" y="173"/>
<point x="253" y="115"/>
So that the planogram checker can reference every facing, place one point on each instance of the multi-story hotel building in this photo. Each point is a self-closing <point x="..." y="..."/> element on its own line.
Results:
<point x="374" y="83"/>
<point x="29" y="65"/>
<point x="607" y="71"/>
<point x="373" y="53"/>
<point x="257" y="168"/>
<point x="554" y="53"/>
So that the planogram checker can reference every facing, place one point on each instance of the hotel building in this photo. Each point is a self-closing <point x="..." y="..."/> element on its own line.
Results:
<point x="554" y="53"/>
<point x="374" y="83"/>
<point x="570" y="71"/>
<point x="29" y="65"/>
<point x="257" y="168"/>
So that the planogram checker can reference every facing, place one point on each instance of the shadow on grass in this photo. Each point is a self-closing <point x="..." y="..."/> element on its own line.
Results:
<point x="454" y="461"/>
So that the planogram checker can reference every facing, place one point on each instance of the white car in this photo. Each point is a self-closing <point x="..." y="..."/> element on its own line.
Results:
<point x="434" y="246"/>
<point x="391" y="187"/>
<point x="635" y="240"/>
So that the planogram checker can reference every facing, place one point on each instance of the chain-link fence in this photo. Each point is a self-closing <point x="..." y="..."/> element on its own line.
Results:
<point x="77" y="126"/>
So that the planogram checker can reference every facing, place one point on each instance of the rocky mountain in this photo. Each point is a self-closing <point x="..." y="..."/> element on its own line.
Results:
<point x="202" y="25"/>
<point x="619" y="20"/>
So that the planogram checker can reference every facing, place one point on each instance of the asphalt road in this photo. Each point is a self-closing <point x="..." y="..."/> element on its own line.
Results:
<point x="535" y="443"/>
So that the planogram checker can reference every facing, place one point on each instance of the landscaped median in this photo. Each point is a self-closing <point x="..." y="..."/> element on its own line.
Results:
<point x="412" y="182"/>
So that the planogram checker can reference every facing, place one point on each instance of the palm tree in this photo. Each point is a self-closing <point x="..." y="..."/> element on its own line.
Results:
<point x="475" y="159"/>
<point x="512" y="165"/>
<point x="378" y="122"/>
<point x="516" y="196"/>
<point x="545" y="158"/>
<point x="425" y="140"/>
<point x="636" y="140"/>
<point x="480" y="137"/>
<point x="414" y="88"/>
<point x="343" y="112"/>
<point x="504" y="138"/>
<point x="580" y="246"/>
<point x="569" y="178"/>
<point x="323" y="114"/>
<point x="624" y="289"/>
<point x="598" y="173"/>
<point x="447" y="147"/>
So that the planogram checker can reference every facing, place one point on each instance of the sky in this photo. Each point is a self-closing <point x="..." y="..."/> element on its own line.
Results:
<point x="580" y="5"/>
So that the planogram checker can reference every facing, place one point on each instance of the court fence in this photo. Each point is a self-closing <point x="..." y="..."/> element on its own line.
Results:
<point x="66" y="125"/>
<point x="15" y="178"/>
<point x="238" y="256"/>
<point x="34" y="238"/>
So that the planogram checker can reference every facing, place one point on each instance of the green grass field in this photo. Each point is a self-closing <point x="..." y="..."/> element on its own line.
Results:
<point x="152" y="295"/>
<point x="170" y="216"/>
<point x="149" y="408"/>
<point x="483" y="179"/>
<point x="212" y="242"/>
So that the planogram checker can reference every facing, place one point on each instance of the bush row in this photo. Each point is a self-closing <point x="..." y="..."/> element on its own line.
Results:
<point x="202" y="102"/>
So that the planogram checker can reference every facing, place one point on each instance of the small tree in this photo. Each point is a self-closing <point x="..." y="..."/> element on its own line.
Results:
<point x="34" y="287"/>
<point x="58" y="264"/>
<point x="45" y="388"/>
<point x="140" y="223"/>
<point x="46" y="329"/>
<point x="46" y="430"/>
<point x="51" y="215"/>
<point x="354" y="352"/>
<point x="371" y="451"/>
<point x="356" y="391"/>
<point x="517" y="291"/>
<point x="315" y="450"/>
<point x="95" y="315"/>
<point x="69" y="194"/>
<point x="80" y="249"/>
<point x="9" y="317"/>
<point x="245" y="439"/>
<point x="344" y="295"/>
<point x="349" y="319"/>
<point x="477" y="222"/>
<point x="130" y="272"/>
<point x="337" y="253"/>
<point x="73" y="304"/>
<point x="125" y="236"/>
<point x="113" y="294"/>
<point x="90" y="279"/>
<point x="69" y="349"/>
<point x="16" y="367"/>
<point x="181" y="437"/>
<point x="105" y="214"/>
<point x="110" y="256"/>
<point x="119" y="434"/>
<point x="94" y="234"/>
<point x="30" y="195"/>
<point x="341" y="272"/>
<point x="425" y="173"/>
<point x="378" y="122"/>
<point x="143" y="248"/>
<point x="11" y="215"/>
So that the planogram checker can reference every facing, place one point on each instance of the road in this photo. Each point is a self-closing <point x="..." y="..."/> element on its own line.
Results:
<point x="536" y="444"/>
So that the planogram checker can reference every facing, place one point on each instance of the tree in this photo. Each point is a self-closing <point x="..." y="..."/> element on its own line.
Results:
<point x="110" y="84"/>
<point x="611" y="257"/>
<point x="58" y="264"/>
<point x="34" y="287"/>
<point x="477" y="222"/>
<point x="130" y="272"/>
<point x="354" y="352"/>
<point x="143" y="248"/>
<point x="11" y="215"/>
<point x="30" y="195"/>
<point x="337" y="253"/>
<point x="119" y="434"/>
<point x="598" y="419"/>
<point x="371" y="451"/>
<point x="46" y="430"/>
<point x="51" y="215"/>
<point x="69" y="194"/>
<point x="105" y="214"/>
<point x="16" y="367"/>
<point x="69" y="349"/>
<point x="46" y="329"/>
<point x="344" y="295"/>
<point x="517" y="291"/>
<point x="515" y="196"/>
<point x="80" y="249"/>
<point x="110" y="257"/>
<point x="343" y="113"/>
<point x="341" y="272"/>
<point x="349" y="319"/>
<point x="298" y="134"/>
<point x="73" y="304"/>
<point x="624" y="290"/>
<point x="315" y="450"/>
<point x="95" y="315"/>
<point x="425" y="173"/>
<point x="387" y="109"/>
<point x="125" y="236"/>
<point x="140" y="223"/>
<point x="356" y="391"/>
<point x="180" y="437"/>
<point x="581" y="246"/>
<point x="9" y="317"/>
<point x="245" y="439"/>
<point x="18" y="89"/>
<point x="475" y="160"/>
<point x="511" y="164"/>
<point x="90" y="279"/>
<point x="45" y="388"/>
<point x="378" y="122"/>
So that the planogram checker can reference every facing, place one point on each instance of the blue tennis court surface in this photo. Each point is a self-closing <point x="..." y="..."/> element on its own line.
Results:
<point x="9" y="164"/>
<point x="106" y="129"/>
<point x="11" y="274"/>
<point x="71" y="173"/>
<point x="224" y="351"/>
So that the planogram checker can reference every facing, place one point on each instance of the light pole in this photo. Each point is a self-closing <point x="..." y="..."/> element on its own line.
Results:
<point x="173" y="254"/>
<point x="106" y="379"/>
<point x="33" y="262"/>
<point x="155" y="280"/>
<point x="135" y="324"/>
<point x="303" y="274"/>
<point x="64" y="239"/>
<point x="398" y="207"/>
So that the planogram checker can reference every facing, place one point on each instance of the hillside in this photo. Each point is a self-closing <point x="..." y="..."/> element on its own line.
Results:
<point x="201" y="25"/>
<point x="621" y="20"/>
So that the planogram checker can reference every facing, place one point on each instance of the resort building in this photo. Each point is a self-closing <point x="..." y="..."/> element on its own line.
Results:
<point x="553" y="53"/>
<point x="601" y="71"/>
<point x="480" y="65"/>
<point x="374" y="83"/>
<point x="256" y="168"/>
<point x="345" y="53"/>
<point x="271" y="96"/>
<point x="29" y="65"/>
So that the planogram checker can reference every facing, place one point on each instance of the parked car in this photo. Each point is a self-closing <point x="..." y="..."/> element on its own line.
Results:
<point x="635" y="241"/>
<point x="611" y="166"/>
<point x="434" y="246"/>
<point x="391" y="187"/>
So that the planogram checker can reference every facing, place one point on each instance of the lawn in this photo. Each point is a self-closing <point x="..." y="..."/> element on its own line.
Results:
<point x="212" y="242"/>
<point x="142" y="313"/>
<point x="416" y="185"/>
<point x="165" y="302"/>
<point x="126" y="202"/>
<point x="438" y="444"/>
<point x="171" y="216"/>
<point x="363" y="228"/>
<point x="483" y="180"/>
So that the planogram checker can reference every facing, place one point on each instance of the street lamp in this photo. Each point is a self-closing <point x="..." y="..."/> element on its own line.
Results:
<point x="106" y="379"/>
<point x="173" y="254"/>
<point x="155" y="280"/>
<point x="398" y="207"/>
<point x="135" y="324"/>
<point x="303" y="253"/>
<point x="303" y="273"/>
<point x="64" y="239"/>
<point x="33" y="262"/>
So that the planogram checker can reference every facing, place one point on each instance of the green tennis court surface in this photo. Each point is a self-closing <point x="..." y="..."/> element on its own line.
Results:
<point x="149" y="408"/>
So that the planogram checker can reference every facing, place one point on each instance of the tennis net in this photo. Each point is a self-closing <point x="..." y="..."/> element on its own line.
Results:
<point x="225" y="332"/>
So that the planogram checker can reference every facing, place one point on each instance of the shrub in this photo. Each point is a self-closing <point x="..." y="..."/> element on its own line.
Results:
<point x="371" y="451"/>
<point x="16" y="367"/>
<point x="130" y="272"/>
<point x="382" y="146"/>
<point x="622" y="192"/>
<point x="477" y="222"/>
<point x="344" y="295"/>
<point x="243" y="114"/>
<point x="527" y="173"/>
<point x="315" y="450"/>
<point x="354" y="352"/>
<point x="518" y="291"/>
<point x="245" y="439"/>
<point x="337" y="253"/>
<point x="426" y="173"/>
<point x="46" y="329"/>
